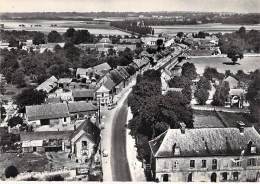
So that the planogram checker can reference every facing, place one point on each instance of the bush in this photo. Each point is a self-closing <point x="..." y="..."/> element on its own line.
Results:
<point x="11" y="171"/>
<point x="201" y="96"/>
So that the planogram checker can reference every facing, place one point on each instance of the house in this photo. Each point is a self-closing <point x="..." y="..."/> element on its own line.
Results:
<point x="142" y="64"/>
<point x="45" y="141"/>
<point x="106" y="92"/>
<point x="232" y="81"/>
<point x="151" y="41"/>
<point x="64" y="83"/>
<point x="100" y="69"/>
<point x="236" y="98"/>
<point x="47" y="114"/>
<point x="50" y="47"/>
<point x="84" y="141"/>
<point x="53" y="100"/>
<point x="206" y="154"/>
<point x="49" y="85"/>
<point x="122" y="47"/>
<point x="83" y="94"/>
<point x="129" y="40"/>
<point x="81" y="109"/>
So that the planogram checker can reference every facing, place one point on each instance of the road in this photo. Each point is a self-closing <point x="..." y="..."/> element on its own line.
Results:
<point x="119" y="163"/>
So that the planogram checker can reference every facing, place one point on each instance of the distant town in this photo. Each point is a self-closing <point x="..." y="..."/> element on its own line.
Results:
<point x="149" y="96"/>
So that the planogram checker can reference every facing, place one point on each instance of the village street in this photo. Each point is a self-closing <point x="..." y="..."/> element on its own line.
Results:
<point x="113" y="141"/>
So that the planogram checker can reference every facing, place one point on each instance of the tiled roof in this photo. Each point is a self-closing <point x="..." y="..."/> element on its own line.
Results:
<point x="47" y="111"/>
<point x="83" y="93"/>
<point x="48" y="85"/>
<point x="91" y="130"/>
<point x="141" y="62"/>
<point x="116" y="76"/>
<point x="233" y="82"/>
<point x="53" y="100"/>
<point x="81" y="106"/>
<point x="65" y="80"/>
<point x="45" y="135"/>
<point x="204" y="142"/>
<point x="109" y="83"/>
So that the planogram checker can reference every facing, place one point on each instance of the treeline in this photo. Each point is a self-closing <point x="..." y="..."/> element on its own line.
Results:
<point x="19" y="65"/>
<point x="154" y="113"/>
<point x="134" y="27"/>
<point x="241" y="40"/>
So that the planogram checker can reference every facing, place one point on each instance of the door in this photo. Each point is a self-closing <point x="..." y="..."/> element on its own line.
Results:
<point x="165" y="177"/>
<point x="213" y="177"/>
<point x="34" y="149"/>
<point x="190" y="177"/>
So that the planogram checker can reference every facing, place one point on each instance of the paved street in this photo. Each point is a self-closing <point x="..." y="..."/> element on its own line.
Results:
<point x="119" y="162"/>
<point x="109" y="142"/>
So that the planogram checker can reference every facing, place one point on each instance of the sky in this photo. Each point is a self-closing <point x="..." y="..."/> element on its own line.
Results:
<point x="240" y="6"/>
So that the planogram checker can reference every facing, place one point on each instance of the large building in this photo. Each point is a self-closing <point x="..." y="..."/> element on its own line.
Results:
<point x="206" y="154"/>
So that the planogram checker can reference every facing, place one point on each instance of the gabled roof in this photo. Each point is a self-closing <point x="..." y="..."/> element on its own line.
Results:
<point x="64" y="80"/>
<point x="116" y="76"/>
<point x="81" y="106"/>
<point x="236" y="92"/>
<point x="204" y="142"/>
<point x="102" y="89"/>
<point x="141" y="62"/>
<point x="91" y="131"/>
<point x="109" y="84"/>
<point x="47" y="111"/>
<point x="100" y="69"/>
<point x="48" y="85"/>
<point x="83" y="93"/>
<point x="45" y="135"/>
<point x="53" y="100"/>
<point x="105" y="40"/>
<point x="123" y="72"/>
<point x="233" y="82"/>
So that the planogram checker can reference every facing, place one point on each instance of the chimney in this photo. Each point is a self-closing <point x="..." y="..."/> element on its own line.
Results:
<point x="241" y="126"/>
<point x="183" y="127"/>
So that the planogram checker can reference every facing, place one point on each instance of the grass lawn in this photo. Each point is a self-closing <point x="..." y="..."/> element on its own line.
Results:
<point x="206" y="119"/>
<point x="27" y="162"/>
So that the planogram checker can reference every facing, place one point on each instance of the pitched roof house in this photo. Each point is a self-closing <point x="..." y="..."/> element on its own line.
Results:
<point x="232" y="81"/>
<point x="83" y="94"/>
<point x="217" y="149"/>
<point x="81" y="107"/>
<point x="85" y="140"/>
<point x="48" y="85"/>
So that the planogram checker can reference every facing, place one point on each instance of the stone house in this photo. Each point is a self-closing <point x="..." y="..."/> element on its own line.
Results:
<point x="47" y="114"/>
<point x="84" y="141"/>
<point x="206" y="154"/>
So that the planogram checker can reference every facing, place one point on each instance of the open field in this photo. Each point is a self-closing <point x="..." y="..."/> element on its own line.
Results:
<point x="206" y="119"/>
<point x="247" y="64"/>
<point x="211" y="28"/>
<point x="61" y="26"/>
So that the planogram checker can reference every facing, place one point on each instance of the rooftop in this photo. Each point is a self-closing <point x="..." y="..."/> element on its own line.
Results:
<point x="48" y="85"/>
<point x="204" y="142"/>
<point x="45" y="135"/>
<point x="82" y="93"/>
<point x="47" y="111"/>
<point x="81" y="106"/>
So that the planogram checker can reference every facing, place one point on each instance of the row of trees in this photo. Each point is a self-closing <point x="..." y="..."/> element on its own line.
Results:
<point x="133" y="26"/>
<point x="154" y="113"/>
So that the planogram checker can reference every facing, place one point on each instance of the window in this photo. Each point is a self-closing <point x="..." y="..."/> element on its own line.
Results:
<point x="224" y="176"/>
<point x="204" y="164"/>
<point x="65" y="119"/>
<point x="192" y="163"/>
<point x="84" y="143"/>
<point x="175" y="164"/>
<point x="251" y="162"/>
<point x="236" y="163"/>
<point x="214" y="164"/>
<point x="235" y="176"/>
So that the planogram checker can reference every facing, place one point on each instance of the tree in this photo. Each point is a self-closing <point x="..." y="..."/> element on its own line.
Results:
<point x="68" y="35"/>
<point x="253" y="96"/>
<point x="13" y="42"/>
<point x="211" y="73"/>
<point x="189" y="70"/>
<point x="221" y="94"/>
<point x="16" y="120"/>
<point x="180" y="34"/>
<point x="30" y="97"/>
<point x="38" y="38"/>
<point x="18" y="78"/>
<point x="204" y="83"/>
<point x="235" y="53"/>
<point x="11" y="172"/>
<point x="201" y="95"/>
<point x="54" y="37"/>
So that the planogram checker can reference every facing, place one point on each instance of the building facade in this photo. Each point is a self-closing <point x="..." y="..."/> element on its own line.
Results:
<point x="206" y="155"/>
